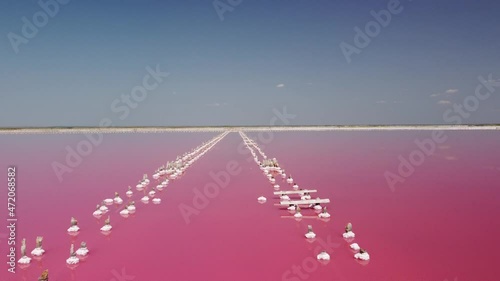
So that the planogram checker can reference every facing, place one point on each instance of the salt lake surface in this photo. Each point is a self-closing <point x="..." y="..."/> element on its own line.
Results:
<point x="441" y="223"/>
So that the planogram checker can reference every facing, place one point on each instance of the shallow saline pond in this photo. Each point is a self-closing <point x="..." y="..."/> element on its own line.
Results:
<point x="429" y="213"/>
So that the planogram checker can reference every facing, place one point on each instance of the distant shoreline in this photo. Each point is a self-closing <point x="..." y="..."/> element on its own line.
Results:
<point x="110" y="130"/>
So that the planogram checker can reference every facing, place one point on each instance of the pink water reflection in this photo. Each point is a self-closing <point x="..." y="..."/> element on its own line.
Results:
<point x="440" y="224"/>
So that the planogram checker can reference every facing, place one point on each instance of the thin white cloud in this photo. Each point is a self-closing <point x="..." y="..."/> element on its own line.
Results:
<point x="384" y="101"/>
<point x="447" y="92"/>
<point x="444" y="102"/>
<point x="216" y="104"/>
<point x="280" y="85"/>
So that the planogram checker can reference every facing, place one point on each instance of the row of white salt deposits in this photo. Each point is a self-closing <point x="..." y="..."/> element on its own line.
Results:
<point x="284" y="197"/>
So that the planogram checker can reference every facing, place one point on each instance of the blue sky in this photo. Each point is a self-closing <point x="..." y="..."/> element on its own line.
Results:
<point x="235" y="69"/>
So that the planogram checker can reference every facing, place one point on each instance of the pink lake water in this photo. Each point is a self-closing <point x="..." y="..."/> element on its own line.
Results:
<point x="440" y="224"/>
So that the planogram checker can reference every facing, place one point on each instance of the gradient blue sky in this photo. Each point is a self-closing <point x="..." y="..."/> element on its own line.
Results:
<point x="227" y="72"/>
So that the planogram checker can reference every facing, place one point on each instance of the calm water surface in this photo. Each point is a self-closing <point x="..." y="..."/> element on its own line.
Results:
<point x="440" y="223"/>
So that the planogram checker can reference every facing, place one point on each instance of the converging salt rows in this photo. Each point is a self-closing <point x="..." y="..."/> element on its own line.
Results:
<point x="163" y="175"/>
<point x="295" y="200"/>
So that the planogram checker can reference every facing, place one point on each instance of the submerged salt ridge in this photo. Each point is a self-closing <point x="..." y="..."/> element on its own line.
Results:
<point x="337" y="157"/>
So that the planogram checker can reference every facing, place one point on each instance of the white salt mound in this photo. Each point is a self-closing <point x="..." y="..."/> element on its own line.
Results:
<point x="310" y="235"/>
<point x="324" y="215"/>
<point x="82" y="251"/>
<point x="323" y="256"/>
<point x="73" y="228"/>
<point x="349" y="234"/>
<point x="37" y="252"/>
<point x="72" y="260"/>
<point x="355" y="246"/>
<point x="24" y="260"/>
<point x="364" y="256"/>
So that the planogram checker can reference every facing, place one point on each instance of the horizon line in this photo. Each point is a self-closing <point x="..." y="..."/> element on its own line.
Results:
<point x="160" y="129"/>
